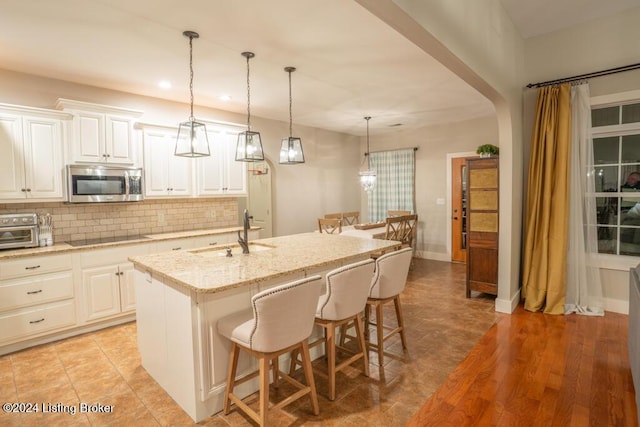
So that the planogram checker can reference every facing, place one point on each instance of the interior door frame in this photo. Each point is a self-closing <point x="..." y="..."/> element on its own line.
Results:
<point x="451" y="156"/>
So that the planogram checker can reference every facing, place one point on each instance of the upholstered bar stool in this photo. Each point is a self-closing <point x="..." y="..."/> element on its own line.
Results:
<point x="346" y="295"/>
<point x="388" y="282"/>
<point x="280" y="320"/>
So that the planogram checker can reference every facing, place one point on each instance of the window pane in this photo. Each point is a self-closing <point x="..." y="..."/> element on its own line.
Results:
<point x="629" y="240"/>
<point x="605" y="116"/>
<point x="631" y="149"/>
<point x="605" y="150"/>
<point x="606" y="178"/>
<point x="607" y="240"/>
<point x="631" y="113"/>
<point x="607" y="210"/>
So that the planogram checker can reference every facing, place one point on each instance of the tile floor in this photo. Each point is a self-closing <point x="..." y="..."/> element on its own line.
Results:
<point x="104" y="368"/>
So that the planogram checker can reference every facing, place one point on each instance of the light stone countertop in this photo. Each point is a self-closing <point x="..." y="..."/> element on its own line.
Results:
<point x="62" y="247"/>
<point x="209" y="271"/>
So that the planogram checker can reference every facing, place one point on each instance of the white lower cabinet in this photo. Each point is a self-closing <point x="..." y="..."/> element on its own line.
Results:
<point x="107" y="282"/>
<point x="36" y="297"/>
<point x="107" y="290"/>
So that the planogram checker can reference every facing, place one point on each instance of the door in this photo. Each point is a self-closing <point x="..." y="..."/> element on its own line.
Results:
<point x="260" y="197"/>
<point x="458" y="210"/>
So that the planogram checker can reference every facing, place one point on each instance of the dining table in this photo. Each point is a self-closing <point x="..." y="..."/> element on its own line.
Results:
<point x="367" y="231"/>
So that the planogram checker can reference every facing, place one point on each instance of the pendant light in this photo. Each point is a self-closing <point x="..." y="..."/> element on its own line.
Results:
<point x="291" y="149"/>
<point x="249" y="148"/>
<point x="368" y="177"/>
<point x="192" y="136"/>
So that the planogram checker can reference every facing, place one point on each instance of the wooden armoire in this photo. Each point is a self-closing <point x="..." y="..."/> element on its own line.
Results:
<point x="482" y="225"/>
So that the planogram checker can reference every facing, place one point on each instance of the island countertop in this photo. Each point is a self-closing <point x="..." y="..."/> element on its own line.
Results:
<point x="207" y="270"/>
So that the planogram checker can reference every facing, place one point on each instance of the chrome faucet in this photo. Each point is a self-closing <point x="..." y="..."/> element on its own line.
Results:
<point x="244" y="242"/>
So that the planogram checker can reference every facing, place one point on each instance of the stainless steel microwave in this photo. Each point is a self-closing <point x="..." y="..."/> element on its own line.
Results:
<point x="95" y="184"/>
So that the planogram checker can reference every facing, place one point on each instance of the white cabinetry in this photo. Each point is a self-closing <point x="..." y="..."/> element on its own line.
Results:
<point x="36" y="297"/>
<point x="32" y="163"/>
<point x="166" y="175"/>
<point x="220" y="174"/>
<point x="101" y="133"/>
<point x="107" y="281"/>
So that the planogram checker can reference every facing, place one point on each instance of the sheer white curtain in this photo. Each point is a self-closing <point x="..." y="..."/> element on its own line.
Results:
<point x="584" y="287"/>
<point x="395" y="186"/>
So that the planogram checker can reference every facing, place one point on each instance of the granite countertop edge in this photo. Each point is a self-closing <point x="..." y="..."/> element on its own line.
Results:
<point x="61" y="248"/>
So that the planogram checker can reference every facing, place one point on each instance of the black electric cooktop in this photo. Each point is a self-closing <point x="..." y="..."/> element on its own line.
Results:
<point x="102" y="240"/>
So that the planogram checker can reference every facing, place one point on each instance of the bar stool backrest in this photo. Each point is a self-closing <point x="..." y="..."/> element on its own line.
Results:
<point x="391" y="273"/>
<point x="284" y="315"/>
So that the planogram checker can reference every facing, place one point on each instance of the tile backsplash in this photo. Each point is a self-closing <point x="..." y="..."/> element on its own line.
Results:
<point x="94" y="220"/>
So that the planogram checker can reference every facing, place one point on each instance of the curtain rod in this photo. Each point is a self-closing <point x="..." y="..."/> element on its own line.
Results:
<point x="586" y="76"/>
<point x="397" y="149"/>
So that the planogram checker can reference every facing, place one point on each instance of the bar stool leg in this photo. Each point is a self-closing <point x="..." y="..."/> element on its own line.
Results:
<point x="308" y="373"/>
<point x="380" y="333"/>
<point x="362" y="344"/>
<point x="231" y="375"/>
<point x="330" y="349"/>
<point x="264" y="388"/>
<point x="396" y="302"/>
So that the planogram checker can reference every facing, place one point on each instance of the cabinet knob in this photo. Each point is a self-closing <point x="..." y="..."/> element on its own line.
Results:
<point x="28" y="190"/>
<point x="23" y="190"/>
<point x="34" y="292"/>
<point x="37" y="321"/>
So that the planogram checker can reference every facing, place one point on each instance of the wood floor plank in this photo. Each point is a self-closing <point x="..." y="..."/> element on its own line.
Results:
<point x="541" y="370"/>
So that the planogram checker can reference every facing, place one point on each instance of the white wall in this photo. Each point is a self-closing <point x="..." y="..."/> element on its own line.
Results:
<point x="301" y="193"/>
<point x="434" y="143"/>
<point x="602" y="44"/>
<point x="476" y="40"/>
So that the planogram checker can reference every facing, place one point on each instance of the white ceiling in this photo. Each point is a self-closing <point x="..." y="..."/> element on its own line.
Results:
<point x="349" y="63"/>
<point x="537" y="17"/>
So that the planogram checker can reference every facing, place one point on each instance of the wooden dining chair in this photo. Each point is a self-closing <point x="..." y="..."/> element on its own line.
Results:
<point x="333" y="215"/>
<point x="402" y="228"/>
<point x="330" y="225"/>
<point x="350" y="218"/>
<point x="398" y="213"/>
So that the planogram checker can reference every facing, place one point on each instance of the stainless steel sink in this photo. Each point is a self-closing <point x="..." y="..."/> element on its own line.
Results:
<point x="236" y="250"/>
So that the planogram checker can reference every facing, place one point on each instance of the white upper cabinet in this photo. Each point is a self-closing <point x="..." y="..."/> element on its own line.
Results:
<point x="101" y="133"/>
<point x="31" y="160"/>
<point x="166" y="175"/>
<point x="220" y="174"/>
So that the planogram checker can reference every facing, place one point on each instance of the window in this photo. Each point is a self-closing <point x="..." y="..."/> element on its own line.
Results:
<point x="615" y="130"/>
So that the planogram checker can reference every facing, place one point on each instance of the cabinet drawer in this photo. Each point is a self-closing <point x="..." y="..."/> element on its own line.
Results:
<point x="109" y="256"/>
<point x="34" y="265"/>
<point x="31" y="321"/>
<point x="36" y="290"/>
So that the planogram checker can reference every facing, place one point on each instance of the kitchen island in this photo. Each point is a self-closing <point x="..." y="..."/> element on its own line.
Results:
<point x="181" y="295"/>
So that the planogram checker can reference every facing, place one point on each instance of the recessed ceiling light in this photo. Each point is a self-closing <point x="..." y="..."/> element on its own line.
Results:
<point x="164" y="84"/>
<point x="224" y="98"/>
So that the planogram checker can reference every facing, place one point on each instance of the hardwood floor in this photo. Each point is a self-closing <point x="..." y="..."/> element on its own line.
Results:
<point x="474" y="366"/>
<point x="537" y="369"/>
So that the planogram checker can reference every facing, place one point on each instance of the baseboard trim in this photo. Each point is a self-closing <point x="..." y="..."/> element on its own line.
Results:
<point x="507" y="306"/>
<point x="616" y="305"/>
<point x="436" y="256"/>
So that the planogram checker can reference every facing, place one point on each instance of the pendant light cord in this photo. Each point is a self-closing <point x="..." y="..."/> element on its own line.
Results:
<point x="368" y="155"/>
<point x="248" y="97"/>
<point x="191" y="118"/>
<point x="290" y="106"/>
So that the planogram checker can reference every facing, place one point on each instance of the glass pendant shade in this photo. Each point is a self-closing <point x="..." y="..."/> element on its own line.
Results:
<point x="291" y="151"/>
<point x="192" y="138"/>
<point x="291" y="148"/>
<point x="368" y="177"/>
<point x="249" y="147"/>
<point x="368" y="180"/>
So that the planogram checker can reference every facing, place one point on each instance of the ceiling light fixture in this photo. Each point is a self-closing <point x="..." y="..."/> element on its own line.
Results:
<point x="291" y="149"/>
<point x="249" y="148"/>
<point x="368" y="177"/>
<point x="192" y="136"/>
